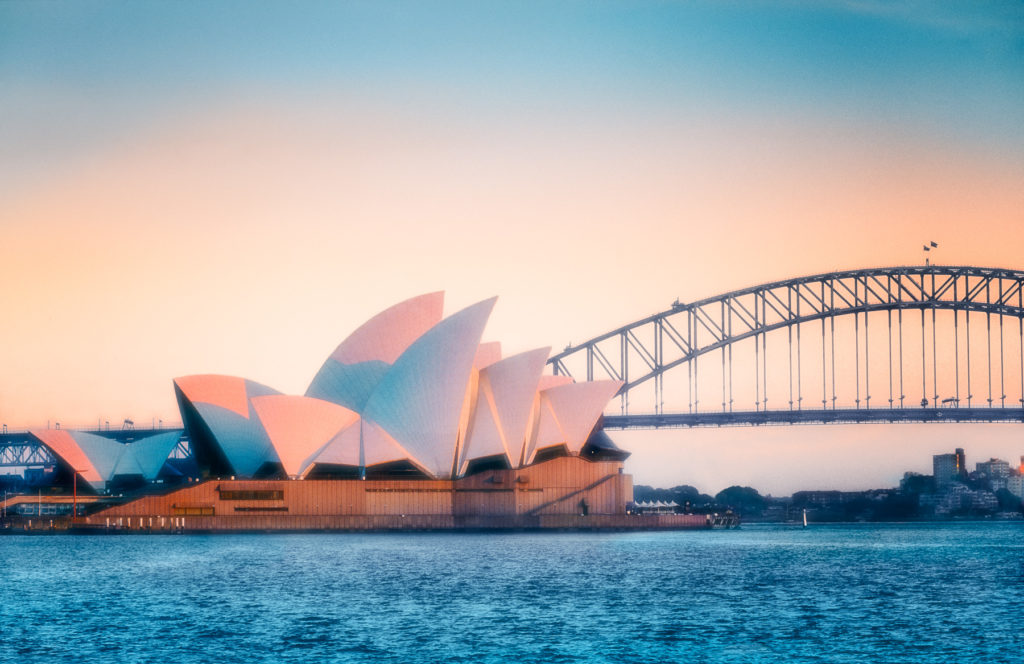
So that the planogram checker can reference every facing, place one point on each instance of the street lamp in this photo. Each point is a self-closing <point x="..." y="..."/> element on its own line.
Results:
<point x="74" y="500"/>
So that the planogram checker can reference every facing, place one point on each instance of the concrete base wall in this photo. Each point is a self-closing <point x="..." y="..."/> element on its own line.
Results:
<point x="567" y="492"/>
<point x="224" y="524"/>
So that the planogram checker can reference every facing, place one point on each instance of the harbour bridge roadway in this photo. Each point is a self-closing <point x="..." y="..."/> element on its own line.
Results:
<point x="786" y="417"/>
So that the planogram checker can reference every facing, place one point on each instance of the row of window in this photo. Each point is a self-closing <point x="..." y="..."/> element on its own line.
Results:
<point x="191" y="511"/>
<point x="261" y="509"/>
<point x="31" y="509"/>
<point x="408" y="490"/>
<point x="259" y="494"/>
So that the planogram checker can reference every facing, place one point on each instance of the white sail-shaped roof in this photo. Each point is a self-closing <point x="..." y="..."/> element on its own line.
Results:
<point x="483" y="434"/>
<point x="379" y="447"/>
<point x="98" y="459"/>
<point x="547" y="381"/>
<point x="388" y="334"/>
<point x="351" y="373"/>
<point x="237" y="432"/>
<point x="343" y="449"/>
<point x="127" y="463"/>
<point x="364" y="444"/>
<point x="104" y="453"/>
<point x="487" y="354"/>
<point x="578" y="406"/>
<point x="502" y="415"/>
<point x="227" y="392"/>
<point x="419" y="401"/>
<point x="513" y="383"/>
<point x="68" y="450"/>
<point x="407" y="387"/>
<point x="151" y="452"/>
<point x="547" y="432"/>
<point x="299" y="428"/>
<point x="348" y="385"/>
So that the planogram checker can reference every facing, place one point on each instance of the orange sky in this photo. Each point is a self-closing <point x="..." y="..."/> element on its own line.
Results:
<point x="249" y="232"/>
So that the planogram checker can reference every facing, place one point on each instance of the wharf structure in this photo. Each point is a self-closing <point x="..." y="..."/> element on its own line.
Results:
<point x="411" y="423"/>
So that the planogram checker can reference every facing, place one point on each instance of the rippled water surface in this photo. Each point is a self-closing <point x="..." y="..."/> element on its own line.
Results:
<point x="857" y="593"/>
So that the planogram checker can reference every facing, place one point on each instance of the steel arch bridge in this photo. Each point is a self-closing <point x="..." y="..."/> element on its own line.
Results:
<point x="831" y="336"/>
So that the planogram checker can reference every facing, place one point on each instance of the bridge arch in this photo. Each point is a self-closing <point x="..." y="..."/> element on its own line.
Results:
<point x="644" y="351"/>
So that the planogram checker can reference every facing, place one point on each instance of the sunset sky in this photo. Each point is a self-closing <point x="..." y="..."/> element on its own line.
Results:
<point x="233" y="187"/>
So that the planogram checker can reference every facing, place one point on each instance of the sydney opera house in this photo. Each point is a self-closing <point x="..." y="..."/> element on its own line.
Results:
<point x="412" y="422"/>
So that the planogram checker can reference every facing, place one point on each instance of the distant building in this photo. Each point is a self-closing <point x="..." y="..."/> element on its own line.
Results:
<point x="959" y="499"/>
<point x="1014" y="486"/>
<point x="993" y="473"/>
<point x="948" y="468"/>
<point x="953" y="499"/>
<point x="983" y="501"/>
<point x="994" y="468"/>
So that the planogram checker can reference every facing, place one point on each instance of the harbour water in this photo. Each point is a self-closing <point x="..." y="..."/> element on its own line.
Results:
<point x="949" y="592"/>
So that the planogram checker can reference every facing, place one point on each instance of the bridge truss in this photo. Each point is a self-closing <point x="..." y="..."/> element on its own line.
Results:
<point x="954" y="332"/>
<point x="22" y="452"/>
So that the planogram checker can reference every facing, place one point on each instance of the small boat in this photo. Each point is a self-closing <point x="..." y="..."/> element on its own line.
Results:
<point x="805" y="518"/>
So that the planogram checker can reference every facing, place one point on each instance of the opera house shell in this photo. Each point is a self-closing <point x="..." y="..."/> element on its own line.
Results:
<point x="101" y="463"/>
<point x="408" y="394"/>
<point x="412" y="422"/>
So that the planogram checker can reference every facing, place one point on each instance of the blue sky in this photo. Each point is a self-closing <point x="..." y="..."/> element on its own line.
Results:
<point x="951" y="70"/>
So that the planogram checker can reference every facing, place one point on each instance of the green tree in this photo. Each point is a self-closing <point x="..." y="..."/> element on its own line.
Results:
<point x="743" y="499"/>
<point x="1008" y="502"/>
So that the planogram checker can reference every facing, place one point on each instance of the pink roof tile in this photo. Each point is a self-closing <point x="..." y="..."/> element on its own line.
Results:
<point x="487" y="353"/>
<point x="386" y="336"/>
<point x="224" y="391"/>
<point x="65" y="447"/>
<point x="300" y="427"/>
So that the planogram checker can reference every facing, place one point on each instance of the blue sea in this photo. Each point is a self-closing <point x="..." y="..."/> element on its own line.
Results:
<point x="950" y="592"/>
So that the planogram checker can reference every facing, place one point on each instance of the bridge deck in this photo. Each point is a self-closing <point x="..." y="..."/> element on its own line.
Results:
<point x="838" y="416"/>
